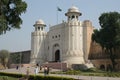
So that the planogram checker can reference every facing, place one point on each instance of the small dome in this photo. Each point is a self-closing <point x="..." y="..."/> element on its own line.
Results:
<point x="73" y="9"/>
<point x="40" y="22"/>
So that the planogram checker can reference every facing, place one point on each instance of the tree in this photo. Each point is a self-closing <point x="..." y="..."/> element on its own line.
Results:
<point x="10" y="12"/>
<point x="4" y="57"/>
<point x="108" y="36"/>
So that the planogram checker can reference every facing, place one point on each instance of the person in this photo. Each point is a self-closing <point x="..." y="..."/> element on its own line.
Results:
<point x="45" y="70"/>
<point x="37" y="64"/>
<point x="27" y="71"/>
<point x="36" y="70"/>
<point x="17" y="67"/>
<point x="26" y="77"/>
<point x="40" y="67"/>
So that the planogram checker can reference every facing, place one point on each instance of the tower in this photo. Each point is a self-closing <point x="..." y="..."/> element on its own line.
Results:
<point x="73" y="38"/>
<point x="38" y="43"/>
<point x="87" y="34"/>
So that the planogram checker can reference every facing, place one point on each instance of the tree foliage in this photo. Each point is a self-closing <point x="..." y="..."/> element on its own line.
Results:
<point x="4" y="57"/>
<point x="10" y="12"/>
<point x="108" y="36"/>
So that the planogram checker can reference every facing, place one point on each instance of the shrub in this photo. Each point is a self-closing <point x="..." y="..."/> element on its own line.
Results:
<point x="35" y="77"/>
<point x="93" y="70"/>
<point x="73" y="72"/>
<point x="11" y="75"/>
<point x="7" y="78"/>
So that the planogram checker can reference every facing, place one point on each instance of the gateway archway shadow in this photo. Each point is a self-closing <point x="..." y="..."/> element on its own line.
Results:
<point x="57" y="55"/>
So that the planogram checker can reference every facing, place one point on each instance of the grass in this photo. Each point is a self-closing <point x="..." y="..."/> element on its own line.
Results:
<point x="7" y="78"/>
<point x="90" y="72"/>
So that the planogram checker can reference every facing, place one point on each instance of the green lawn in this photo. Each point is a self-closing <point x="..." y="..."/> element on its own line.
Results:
<point x="7" y="78"/>
<point x="90" y="72"/>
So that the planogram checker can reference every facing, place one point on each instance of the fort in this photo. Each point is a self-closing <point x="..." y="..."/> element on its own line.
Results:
<point x="68" y="43"/>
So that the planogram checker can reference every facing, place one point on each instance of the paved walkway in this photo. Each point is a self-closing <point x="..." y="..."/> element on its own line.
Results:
<point x="23" y="71"/>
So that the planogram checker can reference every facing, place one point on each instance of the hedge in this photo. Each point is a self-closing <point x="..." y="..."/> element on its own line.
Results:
<point x="7" y="78"/>
<point x="38" y="77"/>
<point x="35" y="77"/>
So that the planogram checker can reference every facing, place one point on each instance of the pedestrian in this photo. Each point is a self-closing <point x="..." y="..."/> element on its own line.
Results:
<point x="45" y="70"/>
<point x="17" y="67"/>
<point x="40" y="67"/>
<point x="36" y="70"/>
<point x="37" y="64"/>
<point x="27" y="71"/>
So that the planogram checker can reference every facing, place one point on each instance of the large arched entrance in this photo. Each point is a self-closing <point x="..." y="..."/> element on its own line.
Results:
<point x="57" y="55"/>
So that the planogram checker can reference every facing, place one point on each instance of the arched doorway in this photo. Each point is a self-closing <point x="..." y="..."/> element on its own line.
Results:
<point x="57" y="55"/>
<point x="102" y="67"/>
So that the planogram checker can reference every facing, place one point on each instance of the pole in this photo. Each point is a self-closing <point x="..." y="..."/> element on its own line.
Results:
<point x="57" y="16"/>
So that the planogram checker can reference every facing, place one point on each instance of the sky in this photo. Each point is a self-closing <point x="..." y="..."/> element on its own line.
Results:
<point x="20" y="39"/>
